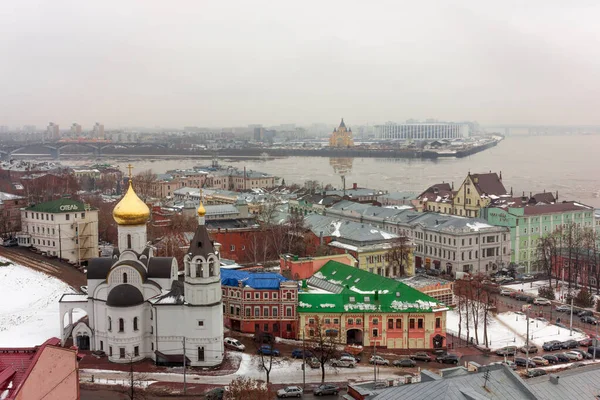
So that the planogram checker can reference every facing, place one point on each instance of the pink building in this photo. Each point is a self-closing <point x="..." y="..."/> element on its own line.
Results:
<point x="41" y="372"/>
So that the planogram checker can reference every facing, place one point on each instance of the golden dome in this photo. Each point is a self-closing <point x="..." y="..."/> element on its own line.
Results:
<point x="201" y="210"/>
<point x="131" y="210"/>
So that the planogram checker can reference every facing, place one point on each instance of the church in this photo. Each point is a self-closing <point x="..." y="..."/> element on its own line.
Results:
<point x="137" y="307"/>
<point x="341" y="137"/>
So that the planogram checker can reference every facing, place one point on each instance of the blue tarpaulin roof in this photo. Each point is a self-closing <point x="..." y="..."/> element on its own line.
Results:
<point x="255" y="280"/>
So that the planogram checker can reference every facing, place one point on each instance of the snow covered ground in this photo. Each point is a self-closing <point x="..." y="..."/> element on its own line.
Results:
<point x="539" y="332"/>
<point x="499" y="335"/>
<point x="510" y="329"/>
<point x="29" y="306"/>
<point x="531" y="288"/>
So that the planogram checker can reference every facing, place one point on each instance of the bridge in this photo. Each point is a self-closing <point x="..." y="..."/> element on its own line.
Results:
<point x="54" y="149"/>
<point x="541" y="130"/>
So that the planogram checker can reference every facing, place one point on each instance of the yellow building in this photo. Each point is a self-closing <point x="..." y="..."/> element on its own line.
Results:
<point x="375" y="258"/>
<point x="476" y="192"/>
<point x="341" y="137"/>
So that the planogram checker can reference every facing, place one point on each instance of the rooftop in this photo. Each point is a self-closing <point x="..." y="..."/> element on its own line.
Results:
<point x="254" y="280"/>
<point x="63" y="205"/>
<point x="344" y="288"/>
<point x="349" y="230"/>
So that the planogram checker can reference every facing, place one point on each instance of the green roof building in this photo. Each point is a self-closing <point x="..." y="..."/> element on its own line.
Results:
<point x="369" y="309"/>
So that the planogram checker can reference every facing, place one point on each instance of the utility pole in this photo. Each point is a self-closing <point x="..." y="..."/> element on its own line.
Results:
<point x="595" y="341"/>
<point x="303" y="360"/>
<point x="184" y="380"/>
<point x="527" y="345"/>
<point x="571" y="322"/>
<point x="374" y="362"/>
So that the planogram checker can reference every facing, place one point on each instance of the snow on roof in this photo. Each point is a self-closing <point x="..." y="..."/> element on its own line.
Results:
<point x="476" y="226"/>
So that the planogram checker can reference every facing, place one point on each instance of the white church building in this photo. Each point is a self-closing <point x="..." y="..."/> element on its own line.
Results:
<point x="138" y="308"/>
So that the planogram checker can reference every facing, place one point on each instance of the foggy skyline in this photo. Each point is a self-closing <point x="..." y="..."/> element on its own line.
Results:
<point x="175" y="64"/>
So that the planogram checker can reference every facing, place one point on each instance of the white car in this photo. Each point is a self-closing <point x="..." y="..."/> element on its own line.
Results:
<point x="234" y="344"/>
<point x="344" y="361"/>
<point x="542" y="302"/>
<point x="505" y="292"/>
<point x="573" y="355"/>
<point x="290" y="391"/>
<point x="379" y="360"/>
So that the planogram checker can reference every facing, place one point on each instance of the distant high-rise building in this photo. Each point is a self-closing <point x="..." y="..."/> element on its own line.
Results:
<point x="52" y="132"/>
<point x="76" y="130"/>
<point x="98" y="131"/>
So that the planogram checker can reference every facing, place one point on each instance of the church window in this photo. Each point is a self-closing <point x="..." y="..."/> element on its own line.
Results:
<point x="151" y="315"/>
<point x="121" y="352"/>
<point x="152" y="346"/>
<point x="124" y="277"/>
<point x="200" y="353"/>
<point x="101" y="345"/>
<point x="151" y="330"/>
<point x="110" y="351"/>
<point x="109" y="324"/>
<point x="201" y="323"/>
<point x="128" y="241"/>
<point x="135" y="323"/>
<point x="136" y="351"/>
<point x="121" y="325"/>
<point x="211" y="269"/>
<point x="199" y="271"/>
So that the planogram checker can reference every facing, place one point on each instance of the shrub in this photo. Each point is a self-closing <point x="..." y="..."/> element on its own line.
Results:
<point x="584" y="299"/>
<point x="546" y="292"/>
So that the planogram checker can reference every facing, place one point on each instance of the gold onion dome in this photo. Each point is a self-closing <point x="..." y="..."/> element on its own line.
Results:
<point x="201" y="210"/>
<point x="131" y="210"/>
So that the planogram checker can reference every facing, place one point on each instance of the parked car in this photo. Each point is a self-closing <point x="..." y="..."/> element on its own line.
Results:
<point x="522" y="362"/>
<point x="10" y="242"/>
<point x="573" y="355"/>
<point x="563" y="308"/>
<point x="326" y="389"/>
<point x="447" y="359"/>
<point x="552" y="359"/>
<point x="378" y="360"/>
<point x="584" y="354"/>
<point x="297" y="353"/>
<point x="344" y="362"/>
<point x="552" y="345"/>
<point x="509" y="363"/>
<point x="507" y="351"/>
<point x="268" y="350"/>
<point x="234" y="344"/>
<point x="290" y="391"/>
<point x="505" y="292"/>
<point x="532" y="348"/>
<point x="540" y="360"/>
<point x="264" y="337"/>
<point x="592" y="350"/>
<point x="313" y="362"/>
<point x="513" y="294"/>
<point x="589" y="320"/>
<point x="530" y="300"/>
<point x="540" y="301"/>
<point x="404" y="363"/>
<point x="420" y="356"/>
<point x="585" y="313"/>
<point x="569" y="344"/>
<point x="536" y="372"/>
<point x="522" y="297"/>
<point x="562" y="358"/>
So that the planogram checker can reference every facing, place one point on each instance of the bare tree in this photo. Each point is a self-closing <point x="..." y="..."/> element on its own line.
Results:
<point x="265" y="361"/>
<point x="144" y="184"/>
<point x="398" y="256"/>
<point x="136" y="382"/>
<point x="323" y="344"/>
<point x="243" y="388"/>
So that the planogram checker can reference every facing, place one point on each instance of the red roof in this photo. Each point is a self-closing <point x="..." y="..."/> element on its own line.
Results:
<point x="489" y="183"/>
<point x="555" y="208"/>
<point x="16" y="365"/>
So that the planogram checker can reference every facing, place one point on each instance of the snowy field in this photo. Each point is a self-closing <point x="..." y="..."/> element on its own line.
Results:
<point x="539" y="332"/>
<point x="29" y="306"/>
<point x="531" y="288"/>
<point x="510" y="329"/>
<point x="499" y="335"/>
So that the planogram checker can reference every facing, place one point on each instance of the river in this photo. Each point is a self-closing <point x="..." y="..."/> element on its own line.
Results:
<point x="528" y="163"/>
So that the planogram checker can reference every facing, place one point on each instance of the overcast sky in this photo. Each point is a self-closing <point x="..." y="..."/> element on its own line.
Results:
<point x="233" y="63"/>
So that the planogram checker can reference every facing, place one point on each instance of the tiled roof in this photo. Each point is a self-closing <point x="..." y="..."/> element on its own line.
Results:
<point x="489" y="183"/>
<point x="441" y="192"/>
<point x="16" y="365"/>
<point x="356" y="290"/>
<point x="555" y="208"/>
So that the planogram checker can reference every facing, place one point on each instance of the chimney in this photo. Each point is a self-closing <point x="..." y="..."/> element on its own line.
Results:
<point x="557" y="195"/>
<point x="554" y="379"/>
<point x="452" y="185"/>
<point x="354" y="185"/>
<point x="500" y="176"/>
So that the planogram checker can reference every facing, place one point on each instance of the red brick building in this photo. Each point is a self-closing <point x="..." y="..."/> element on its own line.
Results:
<point x="10" y="213"/>
<point x="259" y="302"/>
<point x="582" y="268"/>
<point x="238" y="244"/>
<point x="305" y="267"/>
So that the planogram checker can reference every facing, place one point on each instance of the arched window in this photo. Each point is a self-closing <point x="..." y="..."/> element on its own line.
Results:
<point x="121" y="325"/>
<point x="124" y="277"/>
<point x="135" y="323"/>
<point x="211" y="268"/>
<point x="128" y="241"/>
<point x="109" y="324"/>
